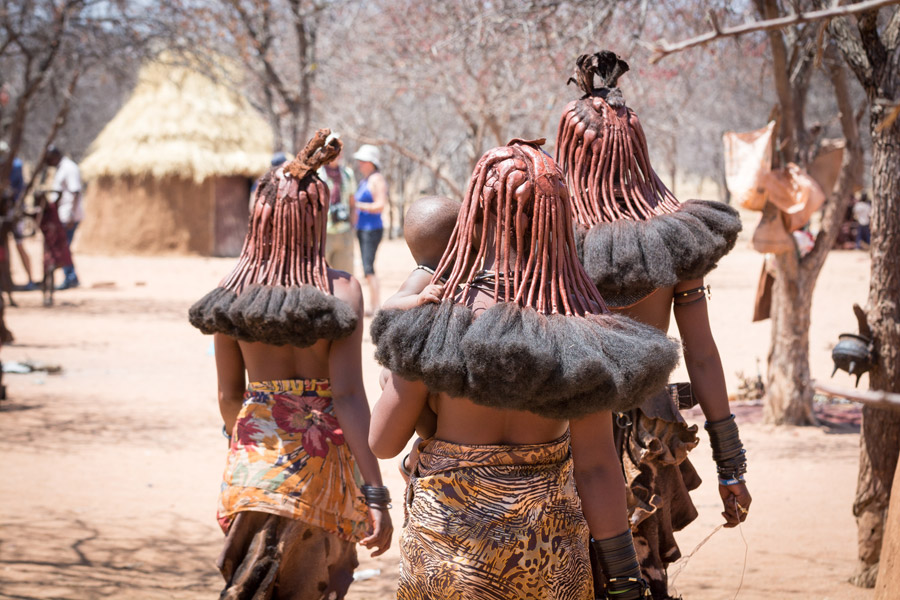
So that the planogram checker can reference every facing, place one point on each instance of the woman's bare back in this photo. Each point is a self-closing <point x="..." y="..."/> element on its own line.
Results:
<point x="654" y="310"/>
<point x="463" y="422"/>
<point x="265" y="362"/>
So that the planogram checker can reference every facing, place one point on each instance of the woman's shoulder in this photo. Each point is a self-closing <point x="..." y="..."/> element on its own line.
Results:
<point x="345" y="286"/>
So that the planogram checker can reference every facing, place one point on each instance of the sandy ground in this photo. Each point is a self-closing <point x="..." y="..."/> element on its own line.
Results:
<point x="110" y="470"/>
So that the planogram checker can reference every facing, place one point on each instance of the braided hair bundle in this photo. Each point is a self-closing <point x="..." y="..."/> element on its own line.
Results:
<point x="548" y="344"/>
<point x="635" y="235"/>
<point x="279" y="292"/>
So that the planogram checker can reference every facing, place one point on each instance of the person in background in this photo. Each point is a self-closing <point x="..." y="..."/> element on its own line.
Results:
<point x="67" y="182"/>
<point x="339" y="237"/>
<point x="371" y="198"/>
<point x="15" y="190"/>
<point x="862" y="211"/>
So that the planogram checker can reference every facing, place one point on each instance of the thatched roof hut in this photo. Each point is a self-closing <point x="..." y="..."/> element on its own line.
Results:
<point x="172" y="171"/>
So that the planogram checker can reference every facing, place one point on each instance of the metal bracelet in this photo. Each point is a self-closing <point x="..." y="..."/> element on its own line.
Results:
<point x="376" y="494"/>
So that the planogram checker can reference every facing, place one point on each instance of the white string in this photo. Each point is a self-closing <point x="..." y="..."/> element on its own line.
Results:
<point x="682" y="562"/>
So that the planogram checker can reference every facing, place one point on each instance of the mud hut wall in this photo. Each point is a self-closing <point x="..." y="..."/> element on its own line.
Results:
<point x="232" y="212"/>
<point x="145" y="215"/>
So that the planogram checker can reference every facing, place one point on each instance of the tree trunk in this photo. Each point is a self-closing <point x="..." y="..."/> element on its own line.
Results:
<point x="889" y="575"/>
<point x="880" y="443"/>
<point x="788" y="392"/>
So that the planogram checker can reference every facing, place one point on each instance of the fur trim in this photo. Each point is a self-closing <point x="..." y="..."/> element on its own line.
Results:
<point x="629" y="259"/>
<point x="273" y="314"/>
<point x="512" y="357"/>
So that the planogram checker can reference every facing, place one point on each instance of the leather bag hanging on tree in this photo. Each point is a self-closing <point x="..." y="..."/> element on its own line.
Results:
<point x="748" y="156"/>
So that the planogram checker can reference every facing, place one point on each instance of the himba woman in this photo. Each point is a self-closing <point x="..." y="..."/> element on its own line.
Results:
<point x="646" y="253"/>
<point x="290" y="506"/>
<point x="522" y="363"/>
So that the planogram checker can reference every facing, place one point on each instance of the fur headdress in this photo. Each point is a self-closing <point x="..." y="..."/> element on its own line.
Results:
<point x="279" y="292"/>
<point x="634" y="235"/>
<point x="549" y="345"/>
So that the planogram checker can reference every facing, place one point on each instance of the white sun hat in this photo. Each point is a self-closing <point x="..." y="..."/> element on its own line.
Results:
<point x="368" y="153"/>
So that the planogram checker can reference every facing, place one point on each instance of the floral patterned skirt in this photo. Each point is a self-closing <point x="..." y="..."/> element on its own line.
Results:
<point x="288" y="458"/>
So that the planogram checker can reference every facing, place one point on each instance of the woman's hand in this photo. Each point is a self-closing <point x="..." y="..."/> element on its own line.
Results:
<point x="380" y="531"/>
<point x="736" y="499"/>
<point x="431" y="294"/>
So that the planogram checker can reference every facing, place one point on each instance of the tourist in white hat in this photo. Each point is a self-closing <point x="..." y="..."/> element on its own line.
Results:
<point x="370" y="198"/>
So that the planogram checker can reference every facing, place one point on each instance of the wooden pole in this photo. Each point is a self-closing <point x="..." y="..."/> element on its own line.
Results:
<point x="873" y="398"/>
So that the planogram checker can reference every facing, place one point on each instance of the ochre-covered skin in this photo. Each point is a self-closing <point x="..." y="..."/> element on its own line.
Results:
<point x="279" y="291"/>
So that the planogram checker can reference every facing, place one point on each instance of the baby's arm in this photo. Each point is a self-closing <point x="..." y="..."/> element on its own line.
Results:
<point x="411" y="292"/>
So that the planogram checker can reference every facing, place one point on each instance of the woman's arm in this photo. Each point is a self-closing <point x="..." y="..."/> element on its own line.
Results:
<point x="598" y="475"/>
<point x="378" y="188"/>
<point x="352" y="411"/>
<point x="348" y="393"/>
<point x="601" y="487"/>
<point x="395" y="415"/>
<point x="230" y="375"/>
<point x="701" y="357"/>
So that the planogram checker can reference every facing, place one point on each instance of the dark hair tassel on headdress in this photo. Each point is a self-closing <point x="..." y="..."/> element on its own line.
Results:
<point x="279" y="292"/>
<point x="640" y="237"/>
<point x="548" y="344"/>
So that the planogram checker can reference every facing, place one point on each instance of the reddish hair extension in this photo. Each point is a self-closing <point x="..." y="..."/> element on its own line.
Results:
<point x="279" y="292"/>
<point x="548" y="344"/>
<point x="291" y="203"/>
<point x="640" y="237"/>
<point x="601" y="145"/>
<point x="541" y="271"/>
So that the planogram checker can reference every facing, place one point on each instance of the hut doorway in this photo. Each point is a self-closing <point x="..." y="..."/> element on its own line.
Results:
<point x="232" y="212"/>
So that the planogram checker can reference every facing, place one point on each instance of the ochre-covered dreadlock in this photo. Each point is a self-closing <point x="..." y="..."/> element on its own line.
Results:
<point x="601" y="144"/>
<point x="640" y="237"/>
<point x="548" y="345"/>
<point x="534" y="265"/>
<point x="279" y="292"/>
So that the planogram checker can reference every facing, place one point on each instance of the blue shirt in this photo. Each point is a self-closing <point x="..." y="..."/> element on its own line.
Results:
<point x="16" y="181"/>
<point x="366" y="221"/>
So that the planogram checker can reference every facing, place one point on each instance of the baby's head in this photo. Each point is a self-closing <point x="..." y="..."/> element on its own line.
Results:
<point x="428" y="226"/>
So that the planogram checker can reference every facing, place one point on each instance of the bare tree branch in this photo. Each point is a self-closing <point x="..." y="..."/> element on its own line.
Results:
<point x="892" y="31"/>
<point x="662" y="48"/>
<point x="868" y="32"/>
<point x="61" y="115"/>
<point x="852" y="48"/>
<point x="851" y="174"/>
<point x="413" y="156"/>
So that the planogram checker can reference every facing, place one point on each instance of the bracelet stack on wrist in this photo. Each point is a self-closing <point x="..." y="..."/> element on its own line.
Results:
<point x="376" y="496"/>
<point x="728" y="451"/>
<point x="619" y="567"/>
